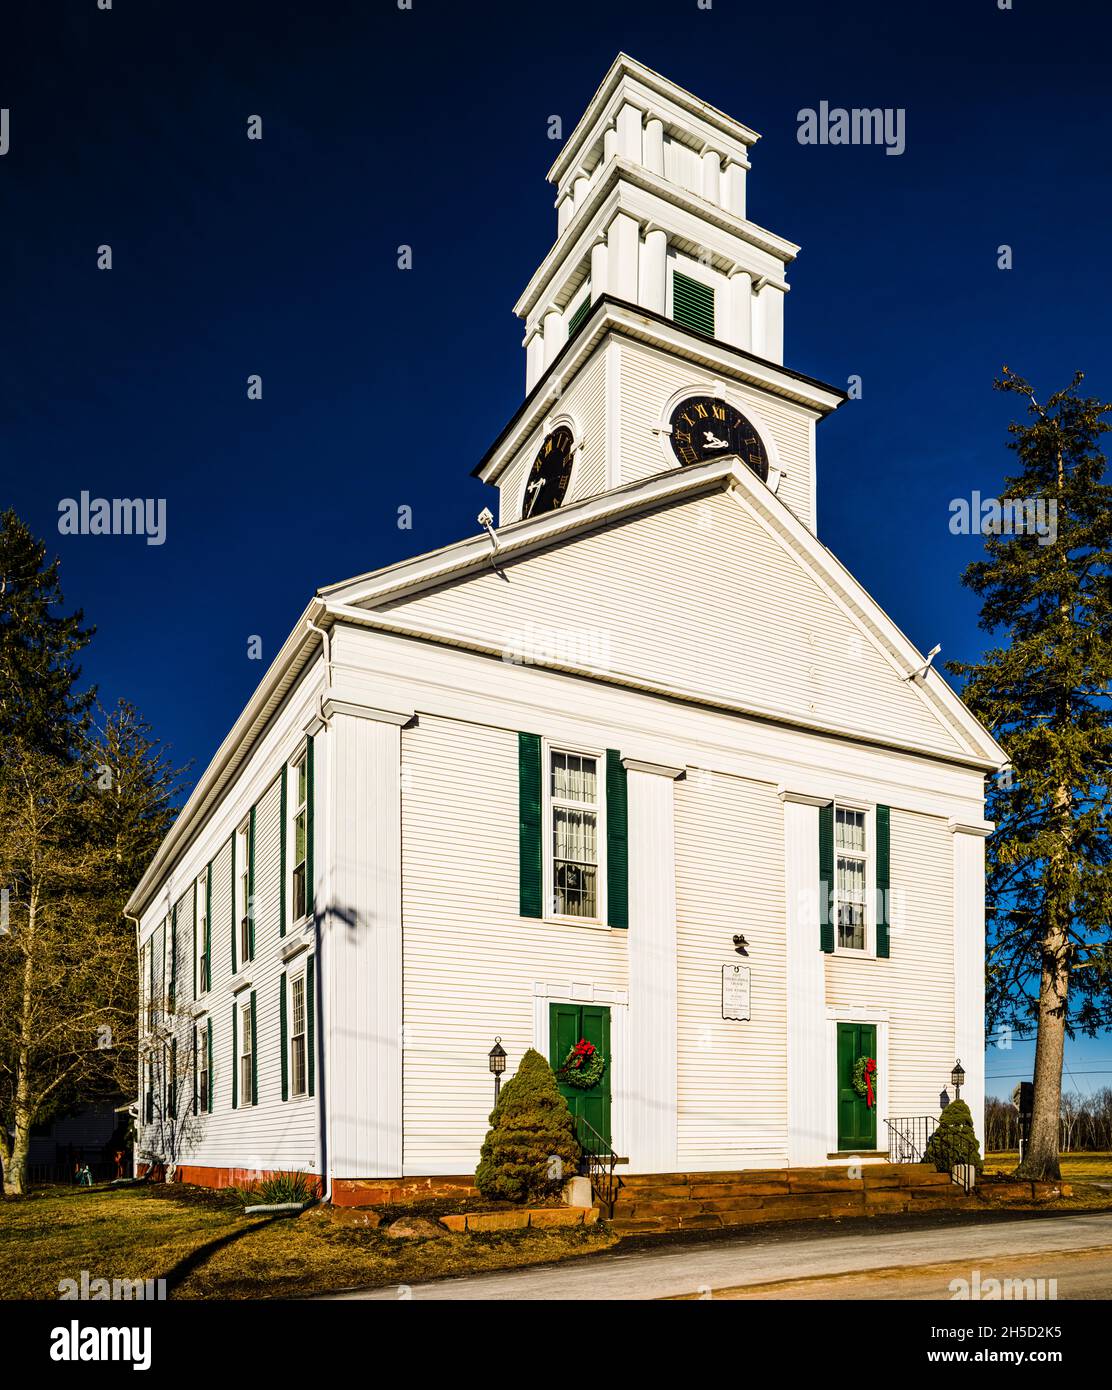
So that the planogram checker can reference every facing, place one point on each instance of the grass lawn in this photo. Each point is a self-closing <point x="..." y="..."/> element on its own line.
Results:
<point x="1076" y="1167"/>
<point x="201" y="1242"/>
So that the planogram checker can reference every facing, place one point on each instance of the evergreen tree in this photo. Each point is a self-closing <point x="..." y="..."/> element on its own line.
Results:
<point x="38" y="702"/>
<point x="530" y="1149"/>
<point x="1044" y="693"/>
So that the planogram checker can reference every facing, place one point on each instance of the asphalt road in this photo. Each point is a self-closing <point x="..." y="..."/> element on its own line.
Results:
<point x="918" y="1263"/>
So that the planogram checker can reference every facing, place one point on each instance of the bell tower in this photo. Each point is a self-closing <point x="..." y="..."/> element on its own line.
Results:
<point x="659" y="306"/>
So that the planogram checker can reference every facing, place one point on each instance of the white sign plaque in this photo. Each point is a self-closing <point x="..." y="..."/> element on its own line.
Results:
<point x="736" y="998"/>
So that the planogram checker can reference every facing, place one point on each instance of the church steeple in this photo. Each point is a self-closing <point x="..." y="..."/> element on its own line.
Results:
<point x="654" y="327"/>
<point x="651" y="186"/>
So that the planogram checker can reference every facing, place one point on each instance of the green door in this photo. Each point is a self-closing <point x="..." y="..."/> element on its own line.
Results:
<point x="567" y="1023"/>
<point x="856" y="1118"/>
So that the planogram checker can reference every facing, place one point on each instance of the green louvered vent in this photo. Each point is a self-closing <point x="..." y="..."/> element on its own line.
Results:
<point x="826" y="877"/>
<point x="692" y="303"/>
<point x="580" y="313"/>
<point x="883" y="877"/>
<point x="617" y="841"/>
<point x="530" y="866"/>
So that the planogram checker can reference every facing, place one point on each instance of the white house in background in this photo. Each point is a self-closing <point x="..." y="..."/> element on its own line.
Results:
<point x="537" y="784"/>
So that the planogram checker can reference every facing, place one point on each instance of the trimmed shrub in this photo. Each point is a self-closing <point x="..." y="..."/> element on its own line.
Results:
<point x="530" y="1128"/>
<point x="955" y="1140"/>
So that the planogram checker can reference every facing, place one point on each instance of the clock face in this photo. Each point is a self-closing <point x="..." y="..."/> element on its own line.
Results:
<point x="550" y="474"/>
<point x="704" y="428"/>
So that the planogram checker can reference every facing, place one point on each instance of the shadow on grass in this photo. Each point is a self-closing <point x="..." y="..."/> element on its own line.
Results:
<point x="178" y="1273"/>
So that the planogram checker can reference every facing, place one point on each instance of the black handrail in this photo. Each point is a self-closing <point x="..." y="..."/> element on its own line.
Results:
<point x="599" y="1162"/>
<point x="917" y="1139"/>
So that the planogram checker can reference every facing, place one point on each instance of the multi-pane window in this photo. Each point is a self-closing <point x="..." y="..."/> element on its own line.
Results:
<point x="202" y="1071"/>
<point x="299" y="821"/>
<point x="851" y="853"/>
<point x="204" y="945"/>
<point x="243" y="890"/>
<point x="574" y="799"/>
<point x="245" y="1058"/>
<point x="298" y="1035"/>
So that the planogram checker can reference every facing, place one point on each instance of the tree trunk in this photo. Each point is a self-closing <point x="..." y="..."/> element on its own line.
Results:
<point x="15" y="1170"/>
<point x="1040" y="1161"/>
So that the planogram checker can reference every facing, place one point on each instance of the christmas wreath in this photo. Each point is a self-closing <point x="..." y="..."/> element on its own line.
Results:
<point x="583" y="1066"/>
<point x="864" y="1083"/>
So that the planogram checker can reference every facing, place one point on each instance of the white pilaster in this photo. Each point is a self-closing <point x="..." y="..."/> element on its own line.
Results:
<point x="622" y="239"/>
<point x="733" y="188"/>
<point x="629" y="133"/>
<point x="534" y="359"/>
<point x="609" y="144"/>
<point x="581" y="188"/>
<point x="739" y="315"/>
<point x="652" y="145"/>
<point x="654" y="270"/>
<point x="651" y="1076"/>
<point x="969" y="962"/>
<point x="555" y="335"/>
<point x="565" y="209"/>
<point x="772" y="323"/>
<point x="712" y="167"/>
<point x="362" y="923"/>
<point x="598" y="269"/>
<point x="808" y="1139"/>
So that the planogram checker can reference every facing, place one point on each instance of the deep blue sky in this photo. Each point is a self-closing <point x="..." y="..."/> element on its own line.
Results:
<point x="382" y="387"/>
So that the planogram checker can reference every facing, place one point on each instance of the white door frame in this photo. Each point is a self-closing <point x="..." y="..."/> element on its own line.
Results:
<point x="855" y="1013"/>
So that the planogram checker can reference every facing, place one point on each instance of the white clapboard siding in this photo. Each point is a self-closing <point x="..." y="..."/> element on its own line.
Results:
<point x="730" y="880"/>
<point x="470" y="961"/>
<point x="270" y="1134"/>
<point x="916" y="983"/>
<point x="649" y="379"/>
<point x="739" y="618"/>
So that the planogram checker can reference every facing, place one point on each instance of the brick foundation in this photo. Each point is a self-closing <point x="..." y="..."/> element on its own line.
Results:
<point x="375" y="1192"/>
<point x="225" y="1177"/>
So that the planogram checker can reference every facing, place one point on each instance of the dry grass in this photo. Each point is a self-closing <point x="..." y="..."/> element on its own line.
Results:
<point x="1076" y="1167"/>
<point x="207" y="1248"/>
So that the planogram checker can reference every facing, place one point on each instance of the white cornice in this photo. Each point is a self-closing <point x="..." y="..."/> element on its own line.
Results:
<point x="982" y="829"/>
<point x="656" y="769"/>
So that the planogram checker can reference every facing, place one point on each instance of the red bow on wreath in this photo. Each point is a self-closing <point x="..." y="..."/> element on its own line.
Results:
<point x="870" y="1068"/>
<point x="582" y="1052"/>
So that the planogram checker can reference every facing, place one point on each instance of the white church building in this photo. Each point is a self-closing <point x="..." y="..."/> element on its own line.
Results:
<point x="640" y="764"/>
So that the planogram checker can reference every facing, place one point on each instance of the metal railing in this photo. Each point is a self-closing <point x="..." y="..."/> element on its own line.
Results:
<point x="599" y="1162"/>
<point x="918" y="1139"/>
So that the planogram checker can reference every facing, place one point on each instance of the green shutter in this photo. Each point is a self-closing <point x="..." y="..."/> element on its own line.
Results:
<point x="235" y="1055"/>
<point x="883" y="877"/>
<point x="309" y="825"/>
<point x="173" y="957"/>
<point x="234" y="895"/>
<point x="692" y="303"/>
<point x="826" y="876"/>
<point x="580" y="313"/>
<point x="254" y="1052"/>
<point x="282" y="855"/>
<point x="194" y="944"/>
<point x="617" y="841"/>
<point x="529" y="847"/>
<point x="208" y="1045"/>
<point x="250" y="904"/>
<point x="194" y="1069"/>
<point x="208" y="931"/>
<point x="173" y="1087"/>
<point x="310" y="1023"/>
<point x="285" y="1043"/>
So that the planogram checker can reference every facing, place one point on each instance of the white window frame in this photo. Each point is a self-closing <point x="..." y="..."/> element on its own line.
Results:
<point x="868" y="951"/>
<point x="293" y="806"/>
<point x="246" y="1092"/>
<point x="243" y="892"/>
<point x="200" y="890"/>
<point x="203" y="1068"/>
<point x="293" y="981"/>
<point x="547" y="830"/>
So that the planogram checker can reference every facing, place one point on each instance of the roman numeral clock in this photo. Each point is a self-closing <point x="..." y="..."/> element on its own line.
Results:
<point x="704" y="428"/>
<point x="550" y="474"/>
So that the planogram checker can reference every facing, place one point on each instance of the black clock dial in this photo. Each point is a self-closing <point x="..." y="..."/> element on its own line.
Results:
<point x="550" y="474"/>
<point x="704" y="428"/>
